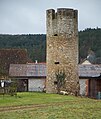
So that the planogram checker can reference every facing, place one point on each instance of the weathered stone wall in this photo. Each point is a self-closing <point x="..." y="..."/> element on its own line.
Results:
<point x="62" y="48"/>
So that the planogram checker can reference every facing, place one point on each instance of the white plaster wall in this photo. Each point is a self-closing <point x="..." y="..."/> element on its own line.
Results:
<point x="82" y="83"/>
<point x="36" y="84"/>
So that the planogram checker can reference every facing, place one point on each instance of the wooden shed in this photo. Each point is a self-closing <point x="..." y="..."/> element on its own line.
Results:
<point x="93" y="75"/>
<point x="30" y="77"/>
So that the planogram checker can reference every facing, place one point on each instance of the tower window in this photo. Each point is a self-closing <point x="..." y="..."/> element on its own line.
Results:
<point x="55" y="82"/>
<point x="57" y="63"/>
<point x="55" y="34"/>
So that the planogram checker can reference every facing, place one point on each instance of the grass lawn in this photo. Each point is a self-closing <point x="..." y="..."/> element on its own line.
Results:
<point x="53" y="106"/>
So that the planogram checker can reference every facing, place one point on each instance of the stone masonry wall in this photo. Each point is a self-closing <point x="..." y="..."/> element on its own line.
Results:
<point x="62" y="48"/>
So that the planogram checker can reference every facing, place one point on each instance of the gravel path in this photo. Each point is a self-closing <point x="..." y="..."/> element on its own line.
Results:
<point x="36" y="106"/>
<point x="26" y="107"/>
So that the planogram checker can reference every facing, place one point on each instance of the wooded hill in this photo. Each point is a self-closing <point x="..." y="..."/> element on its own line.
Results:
<point x="89" y="44"/>
<point x="35" y="44"/>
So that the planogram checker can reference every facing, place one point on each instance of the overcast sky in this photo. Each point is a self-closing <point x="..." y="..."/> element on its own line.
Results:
<point x="29" y="16"/>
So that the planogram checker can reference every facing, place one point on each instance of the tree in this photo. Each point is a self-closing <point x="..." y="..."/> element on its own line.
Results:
<point x="60" y="76"/>
<point x="3" y="74"/>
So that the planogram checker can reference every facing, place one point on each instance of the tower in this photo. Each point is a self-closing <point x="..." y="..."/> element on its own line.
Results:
<point x="62" y="48"/>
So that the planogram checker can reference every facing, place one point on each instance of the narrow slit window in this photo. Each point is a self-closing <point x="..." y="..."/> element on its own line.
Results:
<point x="55" y="82"/>
<point x="57" y="63"/>
<point x="55" y="34"/>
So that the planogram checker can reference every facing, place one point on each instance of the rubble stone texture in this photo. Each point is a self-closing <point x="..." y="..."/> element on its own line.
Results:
<point x="62" y="48"/>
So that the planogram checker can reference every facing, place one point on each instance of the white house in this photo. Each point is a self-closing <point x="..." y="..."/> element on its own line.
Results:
<point x="83" y="81"/>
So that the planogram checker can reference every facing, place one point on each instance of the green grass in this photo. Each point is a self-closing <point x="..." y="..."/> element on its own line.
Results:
<point x="29" y="98"/>
<point x="70" y="108"/>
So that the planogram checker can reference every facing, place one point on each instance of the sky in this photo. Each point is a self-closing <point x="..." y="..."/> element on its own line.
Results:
<point x="29" y="16"/>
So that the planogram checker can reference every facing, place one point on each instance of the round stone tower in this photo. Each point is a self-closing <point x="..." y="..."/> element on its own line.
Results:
<point x="62" y="48"/>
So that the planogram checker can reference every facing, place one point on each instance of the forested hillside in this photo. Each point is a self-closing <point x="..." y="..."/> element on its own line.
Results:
<point x="89" y="44"/>
<point x="35" y="44"/>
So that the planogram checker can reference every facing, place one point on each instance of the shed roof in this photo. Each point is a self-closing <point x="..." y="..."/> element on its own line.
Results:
<point x="89" y="70"/>
<point x="28" y="70"/>
<point x="39" y="70"/>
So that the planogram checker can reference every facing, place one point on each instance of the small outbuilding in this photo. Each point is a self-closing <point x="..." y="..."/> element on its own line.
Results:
<point x="30" y="77"/>
<point x="91" y="74"/>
